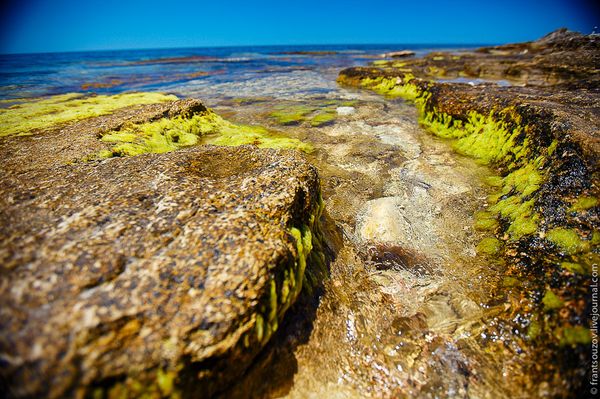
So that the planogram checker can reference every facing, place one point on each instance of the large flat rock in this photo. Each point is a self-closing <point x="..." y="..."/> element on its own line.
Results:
<point x="157" y="274"/>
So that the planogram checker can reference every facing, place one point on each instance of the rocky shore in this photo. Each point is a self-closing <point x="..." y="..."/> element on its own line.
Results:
<point x="532" y="111"/>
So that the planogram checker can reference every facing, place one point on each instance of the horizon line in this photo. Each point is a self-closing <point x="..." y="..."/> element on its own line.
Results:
<point x="447" y="45"/>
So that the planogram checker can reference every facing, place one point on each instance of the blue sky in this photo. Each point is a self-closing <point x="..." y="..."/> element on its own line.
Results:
<point x="70" y="25"/>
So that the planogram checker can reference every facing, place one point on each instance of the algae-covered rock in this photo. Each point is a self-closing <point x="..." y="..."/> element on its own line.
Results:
<point x="25" y="116"/>
<point x="126" y="271"/>
<point x="160" y="274"/>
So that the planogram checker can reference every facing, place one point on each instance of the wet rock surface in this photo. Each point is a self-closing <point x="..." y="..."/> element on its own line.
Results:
<point x="160" y="274"/>
<point x="543" y="98"/>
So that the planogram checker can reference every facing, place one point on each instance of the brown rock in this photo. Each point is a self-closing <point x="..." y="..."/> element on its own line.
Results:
<point x="153" y="274"/>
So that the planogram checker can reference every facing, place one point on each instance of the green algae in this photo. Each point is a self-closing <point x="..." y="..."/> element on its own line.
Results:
<point x="380" y="62"/>
<point x="551" y="301"/>
<point x="165" y="381"/>
<point x="322" y="118"/>
<point x="490" y="140"/>
<point x="494" y="181"/>
<point x="485" y="221"/>
<point x="303" y="238"/>
<point x="525" y="180"/>
<point x="285" y="288"/>
<point x="163" y="386"/>
<point x="291" y="115"/>
<point x="567" y="240"/>
<point x="169" y="134"/>
<point x="577" y="335"/>
<point x="259" y="326"/>
<point x="23" y="118"/>
<point x="485" y="139"/>
<point x="233" y="135"/>
<point x="574" y="268"/>
<point x="489" y="246"/>
<point x="316" y="115"/>
<point x="394" y="87"/>
<point x="583" y="204"/>
<point x="534" y="330"/>
<point x="442" y="125"/>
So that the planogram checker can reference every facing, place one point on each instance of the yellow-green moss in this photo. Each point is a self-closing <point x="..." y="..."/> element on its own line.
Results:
<point x="567" y="240"/>
<point x="575" y="335"/>
<point x="551" y="301"/>
<point x="25" y="117"/>
<point x="583" y="204"/>
<point x="165" y="381"/>
<point x="489" y="246"/>
<point x="485" y="221"/>
<point x="170" y="134"/>
<point x="317" y="115"/>
<point x="394" y="87"/>
<point x="291" y="115"/>
<point x="534" y="329"/>
<point x="322" y="118"/>
<point x="575" y="268"/>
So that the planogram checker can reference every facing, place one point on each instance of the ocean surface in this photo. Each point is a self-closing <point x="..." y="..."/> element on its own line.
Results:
<point x="208" y="73"/>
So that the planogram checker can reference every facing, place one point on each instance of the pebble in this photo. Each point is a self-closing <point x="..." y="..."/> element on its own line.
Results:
<point x="345" y="110"/>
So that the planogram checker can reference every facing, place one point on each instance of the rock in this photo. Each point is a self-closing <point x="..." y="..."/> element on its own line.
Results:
<point x="399" y="220"/>
<point x="382" y="220"/>
<point x="343" y="111"/>
<point x="159" y="274"/>
<point x="313" y="53"/>
<point x="399" y="54"/>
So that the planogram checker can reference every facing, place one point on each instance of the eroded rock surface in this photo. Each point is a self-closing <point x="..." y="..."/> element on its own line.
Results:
<point x="160" y="274"/>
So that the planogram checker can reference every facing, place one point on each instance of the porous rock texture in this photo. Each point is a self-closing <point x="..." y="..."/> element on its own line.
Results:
<point x="158" y="275"/>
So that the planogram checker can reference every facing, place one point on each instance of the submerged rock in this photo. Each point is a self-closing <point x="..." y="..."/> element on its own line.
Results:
<point x="399" y="54"/>
<point x="158" y="274"/>
<point x="344" y="111"/>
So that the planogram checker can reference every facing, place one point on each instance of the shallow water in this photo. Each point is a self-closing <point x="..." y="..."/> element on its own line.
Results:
<point x="404" y="313"/>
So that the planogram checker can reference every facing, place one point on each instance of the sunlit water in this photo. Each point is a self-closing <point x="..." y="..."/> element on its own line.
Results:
<point x="408" y="300"/>
<point x="404" y="311"/>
